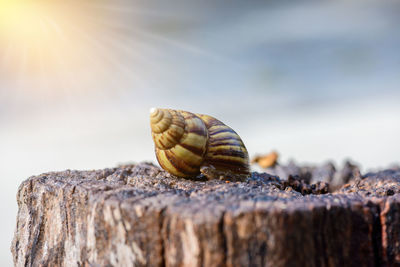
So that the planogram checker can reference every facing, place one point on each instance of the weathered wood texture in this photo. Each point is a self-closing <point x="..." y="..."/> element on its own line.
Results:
<point x="138" y="215"/>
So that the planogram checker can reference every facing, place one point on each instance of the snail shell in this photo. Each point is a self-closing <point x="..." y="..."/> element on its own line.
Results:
<point x="187" y="144"/>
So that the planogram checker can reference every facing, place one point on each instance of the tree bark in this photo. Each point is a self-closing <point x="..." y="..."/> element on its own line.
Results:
<point x="139" y="215"/>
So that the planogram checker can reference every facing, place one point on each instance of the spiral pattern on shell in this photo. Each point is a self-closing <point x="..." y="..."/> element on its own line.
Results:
<point x="187" y="142"/>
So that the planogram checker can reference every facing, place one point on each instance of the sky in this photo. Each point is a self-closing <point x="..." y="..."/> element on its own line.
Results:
<point x="313" y="80"/>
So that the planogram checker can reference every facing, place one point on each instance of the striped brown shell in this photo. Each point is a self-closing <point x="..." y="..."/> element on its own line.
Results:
<point x="187" y="143"/>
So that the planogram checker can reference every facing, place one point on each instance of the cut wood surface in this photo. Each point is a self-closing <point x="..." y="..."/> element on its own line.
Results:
<point x="139" y="215"/>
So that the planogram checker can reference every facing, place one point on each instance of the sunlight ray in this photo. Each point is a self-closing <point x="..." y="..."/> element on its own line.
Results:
<point x="5" y="57"/>
<point x="91" y="43"/>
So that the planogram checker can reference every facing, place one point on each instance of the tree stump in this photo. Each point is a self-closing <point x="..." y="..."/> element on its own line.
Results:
<point x="137" y="215"/>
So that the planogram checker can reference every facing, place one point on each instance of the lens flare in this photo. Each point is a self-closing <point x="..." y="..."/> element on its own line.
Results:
<point x="26" y="30"/>
<point x="21" y="20"/>
<point x="49" y="47"/>
<point x="53" y="50"/>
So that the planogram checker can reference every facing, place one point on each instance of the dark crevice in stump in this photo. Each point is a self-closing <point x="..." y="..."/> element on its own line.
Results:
<point x="221" y="231"/>
<point x="376" y="233"/>
<point x="161" y="227"/>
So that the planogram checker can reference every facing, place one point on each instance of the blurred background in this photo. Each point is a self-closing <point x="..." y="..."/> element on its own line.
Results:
<point x="314" y="80"/>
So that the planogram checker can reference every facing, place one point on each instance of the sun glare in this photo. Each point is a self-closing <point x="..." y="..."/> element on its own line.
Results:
<point x="42" y="44"/>
<point x="53" y="48"/>
<point x="21" y="21"/>
<point x="29" y="32"/>
<point x="24" y="35"/>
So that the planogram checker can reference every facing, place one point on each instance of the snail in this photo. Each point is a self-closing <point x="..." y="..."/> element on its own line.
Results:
<point x="187" y="144"/>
